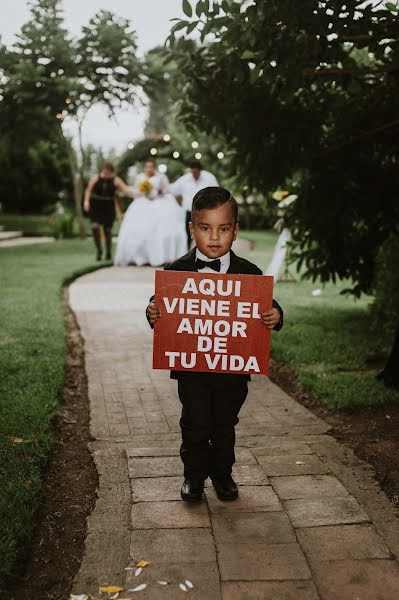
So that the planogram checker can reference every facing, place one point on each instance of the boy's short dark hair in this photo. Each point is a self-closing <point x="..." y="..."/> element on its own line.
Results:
<point x="212" y="197"/>
<point x="151" y="160"/>
<point x="195" y="164"/>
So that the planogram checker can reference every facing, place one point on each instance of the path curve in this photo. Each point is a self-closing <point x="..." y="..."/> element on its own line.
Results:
<point x="310" y="521"/>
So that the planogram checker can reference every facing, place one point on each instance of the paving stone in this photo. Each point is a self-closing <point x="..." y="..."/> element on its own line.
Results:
<point x="249" y="475"/>
<point x="152" y="489"/>
<point x="263" y="527"/>
<point x="204" y="577"/>
<point x="357" y="579"/>
<point x="308" y="486"/>
<point x="250" y="499"/>
<point x="165" y="515"/>
<point x="171" y="545"/>
<point x="307" y="512"/>
<point x="241" y="561"/>
<point x="280" y="446"/>
<point x="244" y="456"/>
<point x="155" y="467"/>
<point x="149" y="452"/>
<point x="342" y="542"/>
<point x="287" y="465"/>
<point x="269" y="590"/>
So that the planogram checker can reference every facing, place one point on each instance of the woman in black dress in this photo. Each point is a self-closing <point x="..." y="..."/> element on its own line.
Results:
<point x="99" y="202"/>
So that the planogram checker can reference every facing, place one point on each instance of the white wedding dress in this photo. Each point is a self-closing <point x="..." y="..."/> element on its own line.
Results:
<point x="153" y="228"/>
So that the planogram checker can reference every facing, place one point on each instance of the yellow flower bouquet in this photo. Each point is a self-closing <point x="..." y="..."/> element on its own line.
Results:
<point x="145" y="187"/>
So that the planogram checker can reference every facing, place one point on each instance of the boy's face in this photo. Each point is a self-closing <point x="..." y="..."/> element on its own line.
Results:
<point x="214" y="230"/>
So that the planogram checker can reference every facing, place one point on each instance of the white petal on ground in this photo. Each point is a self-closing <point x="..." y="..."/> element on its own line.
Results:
<point x="183" y="587"/>
<point x="189" y="584"/>
<point x="138" y="571"/>
<point x="78" y="597"/>
<point x="163" y="582"/>
<point x="316" y="292"/>
<point x="114" y="597"/>
<point x="129" y="568"/>
<point x="299" y="462"/>
<point x="139" y="588"/>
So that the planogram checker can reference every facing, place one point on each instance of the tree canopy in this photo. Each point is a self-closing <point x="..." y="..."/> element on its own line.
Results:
<point x="304" y="93"/>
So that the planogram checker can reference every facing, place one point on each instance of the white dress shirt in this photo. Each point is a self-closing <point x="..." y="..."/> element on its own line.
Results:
<point x="224" y="262"/>
<point x="186" y="186"/>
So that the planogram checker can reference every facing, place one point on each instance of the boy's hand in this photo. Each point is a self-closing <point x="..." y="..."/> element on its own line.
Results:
<point x="271" y="318"/>
<point x="86" y="208"/>
<point x="153" y="313"/>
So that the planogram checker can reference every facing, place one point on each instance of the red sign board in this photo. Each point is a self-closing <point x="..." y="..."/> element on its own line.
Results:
<point x="211" y="322"/>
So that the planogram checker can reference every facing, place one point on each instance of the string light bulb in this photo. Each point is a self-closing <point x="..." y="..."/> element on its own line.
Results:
<point x="130" y="145"/>
<point x="220" y="155"/>
<point x="176" y="154"/>
<point x="59" y="116"/>
<point x="166" y="137"/>
<point x="68" y="100"/>
<point x="194" y="145"/>
<point x="153" y="151"/>
<point x="198" y="155"/>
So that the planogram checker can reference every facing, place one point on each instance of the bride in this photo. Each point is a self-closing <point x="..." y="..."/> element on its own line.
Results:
<point x="153" y="227"/>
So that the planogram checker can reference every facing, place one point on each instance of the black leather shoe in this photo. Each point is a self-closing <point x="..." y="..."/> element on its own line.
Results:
<point x="192" y="490"/>
<point x="225" y="487"/>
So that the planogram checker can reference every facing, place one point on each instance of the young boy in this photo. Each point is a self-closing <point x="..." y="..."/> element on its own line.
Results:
<point x="211" y="401"/>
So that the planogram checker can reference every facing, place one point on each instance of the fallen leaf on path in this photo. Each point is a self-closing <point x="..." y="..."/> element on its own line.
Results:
<point x="138" y="571"/>
<point x="189" y="584"/>
<point x="110" y="589"/>
<point x="142" y="563"/>
<point x="183" y="587"/>
<point x="139" y="588"/>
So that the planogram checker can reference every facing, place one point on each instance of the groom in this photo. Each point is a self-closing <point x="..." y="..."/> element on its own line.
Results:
<point x="188" y="185"/>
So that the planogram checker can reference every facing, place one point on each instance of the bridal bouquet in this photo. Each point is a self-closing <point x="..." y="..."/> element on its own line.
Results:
<point x="145" y="187"/>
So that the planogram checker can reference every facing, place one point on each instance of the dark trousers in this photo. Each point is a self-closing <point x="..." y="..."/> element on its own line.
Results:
<point x="209" y="415"/>
<point x="188" y="219"/>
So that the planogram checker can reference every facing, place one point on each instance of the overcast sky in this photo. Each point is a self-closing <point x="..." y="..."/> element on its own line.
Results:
<point x="150" y="19"/>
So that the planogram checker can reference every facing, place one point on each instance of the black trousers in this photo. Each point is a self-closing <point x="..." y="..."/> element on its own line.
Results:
<point x="209" y="415"/>
<point x="188" y="219"/>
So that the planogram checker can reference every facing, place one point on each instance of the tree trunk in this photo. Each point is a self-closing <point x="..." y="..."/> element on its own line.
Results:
<point x="77" y="183"/>
<point x="390" y="375"/>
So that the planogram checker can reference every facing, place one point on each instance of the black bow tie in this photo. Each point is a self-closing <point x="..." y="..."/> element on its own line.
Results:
<point x="212" y="264"/>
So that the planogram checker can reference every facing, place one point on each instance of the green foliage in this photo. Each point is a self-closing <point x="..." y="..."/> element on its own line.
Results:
<point x="326" y="339"/>
<point x="31" y="377"/>
<point x="63" y="225"/>
<point x="46" y="77"/>
<point x="309" y="87"/>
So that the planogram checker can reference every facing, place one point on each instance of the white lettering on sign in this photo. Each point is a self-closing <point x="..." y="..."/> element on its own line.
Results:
<point x="248" y="310"/>
<point x="209" y="287"/>
<point x="232" y="363"/>
<point x="209" y="327"/>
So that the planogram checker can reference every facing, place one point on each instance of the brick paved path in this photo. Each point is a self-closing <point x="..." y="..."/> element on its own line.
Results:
<point x="310" y="521"/>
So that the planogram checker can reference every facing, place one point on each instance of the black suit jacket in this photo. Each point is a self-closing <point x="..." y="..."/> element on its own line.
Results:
<point x="238" y="266"/>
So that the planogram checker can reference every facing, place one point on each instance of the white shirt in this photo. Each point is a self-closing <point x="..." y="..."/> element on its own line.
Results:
<point x="224" y="262"/>
<point x="186" y="186"/>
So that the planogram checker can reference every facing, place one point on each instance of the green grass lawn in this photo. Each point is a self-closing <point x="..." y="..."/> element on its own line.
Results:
<point x="35" y="225"/>
<point x="326" y="339"/>
<point x="32" y="359"/>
